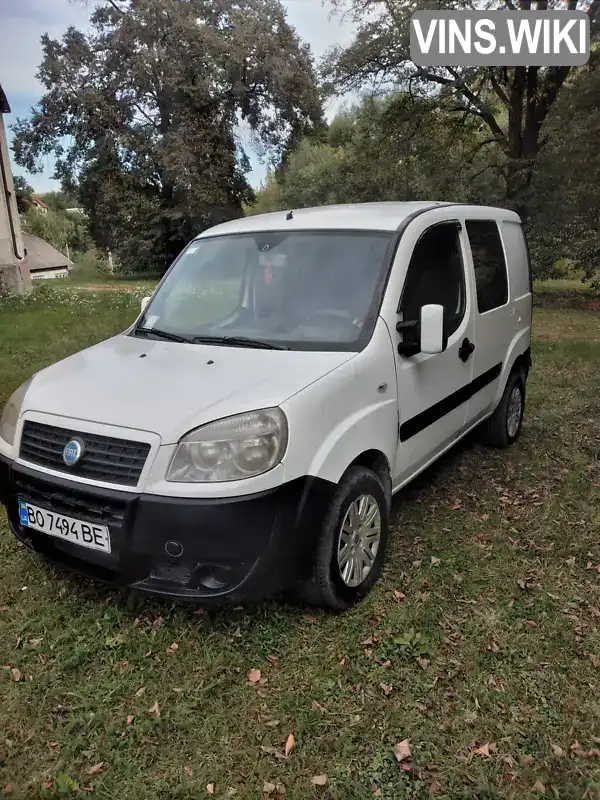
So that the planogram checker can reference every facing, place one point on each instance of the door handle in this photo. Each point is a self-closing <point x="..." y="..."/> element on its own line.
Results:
<point x="465" y="350"/>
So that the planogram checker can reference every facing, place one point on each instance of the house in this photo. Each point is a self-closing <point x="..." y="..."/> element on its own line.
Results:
<point x="39" y="204"/>
<point x="45" y="261"/>
<point x="14" y="272"/>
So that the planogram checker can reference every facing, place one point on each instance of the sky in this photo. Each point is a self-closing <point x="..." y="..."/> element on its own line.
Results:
<point x="22" y="24"/>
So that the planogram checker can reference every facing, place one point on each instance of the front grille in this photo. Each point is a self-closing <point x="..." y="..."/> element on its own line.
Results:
<point x="71" y="502"/>
<point x="104" y="458"/>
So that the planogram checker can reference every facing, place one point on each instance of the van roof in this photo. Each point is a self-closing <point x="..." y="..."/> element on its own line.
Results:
<point x="387" y="216"/>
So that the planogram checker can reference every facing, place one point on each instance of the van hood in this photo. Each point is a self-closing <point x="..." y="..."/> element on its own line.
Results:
<point x="169" y="388"/>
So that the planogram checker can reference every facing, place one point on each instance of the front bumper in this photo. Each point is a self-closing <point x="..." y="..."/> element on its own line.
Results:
<point x="241" y="548"/>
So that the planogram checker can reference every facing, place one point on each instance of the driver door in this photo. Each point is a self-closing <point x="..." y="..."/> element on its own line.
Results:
<point x="433" y="389"/>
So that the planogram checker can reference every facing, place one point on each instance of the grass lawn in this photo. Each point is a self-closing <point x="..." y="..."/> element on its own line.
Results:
<point x="480" y="646"/>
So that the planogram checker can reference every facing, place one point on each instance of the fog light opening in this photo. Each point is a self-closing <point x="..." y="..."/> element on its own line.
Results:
<point x="214" y="576"/>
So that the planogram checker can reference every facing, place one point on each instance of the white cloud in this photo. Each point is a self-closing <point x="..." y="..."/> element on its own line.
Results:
<point x="23" y="23"/>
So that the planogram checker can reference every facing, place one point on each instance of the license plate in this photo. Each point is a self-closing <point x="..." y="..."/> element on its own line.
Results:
<point x="85" y="534"/>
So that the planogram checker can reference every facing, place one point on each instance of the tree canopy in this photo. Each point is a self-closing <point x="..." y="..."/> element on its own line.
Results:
<point x="143" y="115"/>
<point x="512" y="103"/>
<point x="151" y="117"/>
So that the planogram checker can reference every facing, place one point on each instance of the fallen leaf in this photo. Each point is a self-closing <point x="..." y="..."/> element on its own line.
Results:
<point x="172" y="648"/>
<point x="424" y="662"/>
<point x="377" y="792"/>
<point x="594" y="659"/>
<point x="493" y="647"/>
<point x="387" y="688"/>
<point x="435" y="561"/>
<point x="149" y="653"/>
<point x="130" y="719"/>
<point x="95" y="769"/>
<point x="189" y="771"/>
<point x="53" y="745"/>
<point x="319" y="707"/>
<point x="538" y="787"/>
<point x="319" y="780"/>
<point x="570" y="561"/>
<point x="435" y="788"/>
<point x="272" y="659"/>
<point x="253" y="677"/>
<point x="268" y="788"/>
<point x="342" y="662"/>
<point x="48" y="785"/>
<point x="16" y="674"/>
<point x="417" y="564"/>
<point x="399" y="595"/>
<point x="140" y="691"/>
<point x="210" y="788"/>
<point x="157" y="623"/>
<point x="483" y="751"/>
<point x="290" y="744"/>
<point x="154" y="710"/>
<point x="280" y="789"/>
<point x="387" y="663"/>
<point x="558" y="751"/>
<point x="402" y="750"/>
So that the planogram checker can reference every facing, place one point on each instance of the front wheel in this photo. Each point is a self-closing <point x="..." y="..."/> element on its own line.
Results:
<point x="504" y="426"/>
<point x="349" y="555"/>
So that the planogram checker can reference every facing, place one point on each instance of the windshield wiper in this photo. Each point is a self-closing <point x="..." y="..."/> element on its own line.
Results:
<point x="171" y="337"/>
<point x="238" y="341"/>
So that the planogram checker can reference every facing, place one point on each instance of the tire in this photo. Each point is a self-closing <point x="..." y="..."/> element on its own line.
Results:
<point x="503" y="428"/>
<point x="327" y="587"/>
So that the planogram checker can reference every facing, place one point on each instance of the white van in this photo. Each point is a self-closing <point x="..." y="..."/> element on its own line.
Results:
<point x="291" y="372"/>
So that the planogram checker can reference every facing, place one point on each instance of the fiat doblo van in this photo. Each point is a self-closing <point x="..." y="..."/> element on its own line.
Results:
<point x="290" y="373"/>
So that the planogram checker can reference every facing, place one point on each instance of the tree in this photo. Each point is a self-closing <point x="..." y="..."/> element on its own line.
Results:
<point x="152" y="100"/>
<point x="393" y="148"/>
<point x="58" y="201"/>
<point x="565" y="208"/>
<point x="512" y="103"/>
<point x="56" y="229"/>
<point x="23" y="192"/>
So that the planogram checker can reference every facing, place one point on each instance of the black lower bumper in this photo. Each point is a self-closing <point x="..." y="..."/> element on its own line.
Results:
<point x="230" y="549"/>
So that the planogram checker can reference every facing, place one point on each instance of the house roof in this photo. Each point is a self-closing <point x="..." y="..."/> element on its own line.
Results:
<point x="35" y="199"/>
<point x="41" y="255"/>
<point x="4" y="107"/>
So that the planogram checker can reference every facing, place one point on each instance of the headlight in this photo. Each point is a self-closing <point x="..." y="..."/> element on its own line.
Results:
<point x="231" y="449"/>
<point x="10" y="415"/>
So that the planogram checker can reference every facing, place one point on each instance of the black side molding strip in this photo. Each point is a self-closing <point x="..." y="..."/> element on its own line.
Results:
<point x="432" y="414"/>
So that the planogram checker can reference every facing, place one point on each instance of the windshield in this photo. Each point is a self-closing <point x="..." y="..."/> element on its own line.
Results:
<point x="303" y="290"/>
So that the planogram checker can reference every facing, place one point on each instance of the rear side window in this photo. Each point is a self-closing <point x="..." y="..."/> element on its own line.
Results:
<point x="491" y="278"/>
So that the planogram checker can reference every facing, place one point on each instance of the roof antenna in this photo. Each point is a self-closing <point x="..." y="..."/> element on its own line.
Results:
<point x="290" y="215"/>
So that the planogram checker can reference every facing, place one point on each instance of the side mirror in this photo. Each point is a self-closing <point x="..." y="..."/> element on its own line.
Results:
<point x="432" y="329"/>
<point x="145" y="301"/>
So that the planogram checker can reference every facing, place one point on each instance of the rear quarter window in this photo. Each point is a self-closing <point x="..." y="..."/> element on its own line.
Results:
<point x="491" y="277"/>
<point x="518" y="259"/>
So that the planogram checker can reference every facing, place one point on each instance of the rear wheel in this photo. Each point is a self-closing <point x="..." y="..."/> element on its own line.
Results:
<point x="504" y="426"/>
<point x="351" y="549"/>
